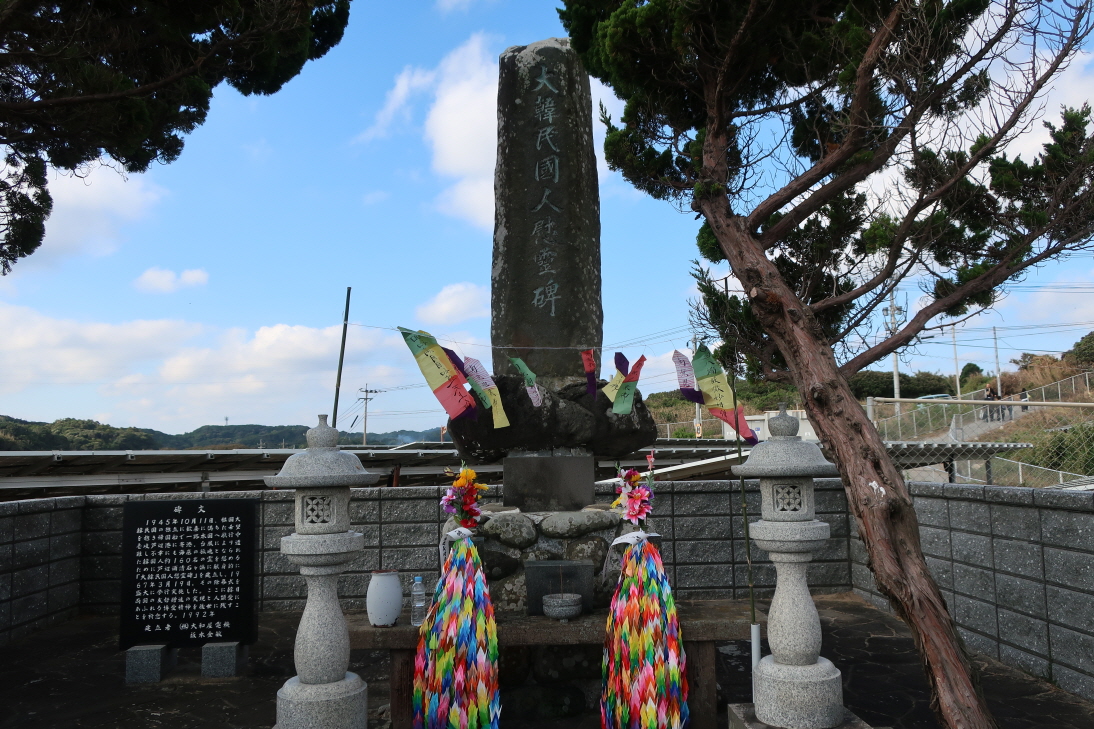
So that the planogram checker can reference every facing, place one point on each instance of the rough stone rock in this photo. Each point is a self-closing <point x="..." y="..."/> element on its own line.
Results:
<point x="499" y="560"/>
<point x="509" y="593"/>
<point x="545" y="274"/>
<point x="512" y="529"/>
<point x="590" y="548"/>
<point x="539" y="553"/>
<point x="533" y="701"/>
<point x="598" y="507"/>
<point x="569" y="418"/>
<point x="571" y="524"/>
<point x="496" y="508"/>
<point x="561" y="663"/>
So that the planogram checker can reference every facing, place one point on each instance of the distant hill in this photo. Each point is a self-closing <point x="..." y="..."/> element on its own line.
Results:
<point x="70" y="434"/>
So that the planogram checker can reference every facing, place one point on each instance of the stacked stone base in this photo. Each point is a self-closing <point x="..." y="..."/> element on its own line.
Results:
<point x="342" y="704"/>
<point x="800" y="697"/>
<point x="511" y="537"/>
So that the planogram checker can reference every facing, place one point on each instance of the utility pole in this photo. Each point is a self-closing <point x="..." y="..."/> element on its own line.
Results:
<point x="998" y="371"/>
<point x="895" y="314"/>
<point x="341" y="356"/>
<point x="956" y="369"/>
<point x="365" y="392"/>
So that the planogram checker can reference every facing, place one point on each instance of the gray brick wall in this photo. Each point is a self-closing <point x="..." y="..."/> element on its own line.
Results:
<point x="39" y="563"/>
<point x="703" y="543"/>
<point x="1016" y="566"/>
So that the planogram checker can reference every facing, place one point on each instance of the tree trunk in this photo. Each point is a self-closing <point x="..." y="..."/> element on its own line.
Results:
<point x="876" y="493"/>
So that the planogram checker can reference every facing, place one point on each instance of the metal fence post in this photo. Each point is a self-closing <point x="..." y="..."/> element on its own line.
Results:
<point x="870" y="409"/>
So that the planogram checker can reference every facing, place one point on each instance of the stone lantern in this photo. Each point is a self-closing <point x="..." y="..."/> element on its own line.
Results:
<point x="793" y="687"/>
<point x="323" y="694"/>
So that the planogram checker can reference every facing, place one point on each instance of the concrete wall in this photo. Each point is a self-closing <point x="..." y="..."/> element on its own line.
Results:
<point x="67" y="551"/>
<point x="704" y="552"/>
<point x="1016" y="566"/>
<point x="39" y="563"/>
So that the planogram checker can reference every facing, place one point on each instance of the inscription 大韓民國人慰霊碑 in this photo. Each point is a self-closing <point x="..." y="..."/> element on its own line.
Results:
<point x="188" y="572"/>
<point x="545" y="280"/>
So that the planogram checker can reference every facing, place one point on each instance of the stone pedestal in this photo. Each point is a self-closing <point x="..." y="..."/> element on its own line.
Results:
<point x="323" y="694"/>
<point x="793" y="687"/>
<point x="548" y="482"/>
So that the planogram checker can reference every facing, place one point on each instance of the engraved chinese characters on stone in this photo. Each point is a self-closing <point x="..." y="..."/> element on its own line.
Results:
<point x="544" y="81"/>
<point x="545" y="295"/>
<point x="545" y="285"/>
<point x="547" y="169"/>
<point x="545" y="259"/>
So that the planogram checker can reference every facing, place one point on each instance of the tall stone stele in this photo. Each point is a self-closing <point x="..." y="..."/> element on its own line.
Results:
<point x="545" y="282"/>
<point x="323" y="694"/>
<point x="794" y="687"/>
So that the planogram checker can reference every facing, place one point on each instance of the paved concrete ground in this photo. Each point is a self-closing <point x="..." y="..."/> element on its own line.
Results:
<point x="72" y="676"/>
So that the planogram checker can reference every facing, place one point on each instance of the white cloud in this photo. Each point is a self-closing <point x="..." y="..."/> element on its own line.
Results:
<point x="456" y="303"/>
<point x="161" y="281"/>
<point x="87" y="214"/>
<point x="376" y="196"/>
<point x="397" y="103"/>
<point x="159" y="374"/>
<point x="462" y="128"/>
<point x="37" y="349"/>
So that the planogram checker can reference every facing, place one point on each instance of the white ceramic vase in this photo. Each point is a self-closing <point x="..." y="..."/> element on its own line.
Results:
<point x="384" y="598"/>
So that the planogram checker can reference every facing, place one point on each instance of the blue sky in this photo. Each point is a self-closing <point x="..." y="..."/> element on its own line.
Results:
<point x="213" y="287"/>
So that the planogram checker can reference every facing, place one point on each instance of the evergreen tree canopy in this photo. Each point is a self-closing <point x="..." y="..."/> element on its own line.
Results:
<point x="82" y="80"/>
<point x="835" y="150"/>
<point x="778" y="114"/>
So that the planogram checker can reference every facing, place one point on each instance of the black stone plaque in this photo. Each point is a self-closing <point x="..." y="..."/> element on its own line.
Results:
<point x="188" y="572"/>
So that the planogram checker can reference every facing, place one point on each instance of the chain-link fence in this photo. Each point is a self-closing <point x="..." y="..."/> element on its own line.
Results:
<point x="1058" y="437"/>
<point x="711" y="428"/>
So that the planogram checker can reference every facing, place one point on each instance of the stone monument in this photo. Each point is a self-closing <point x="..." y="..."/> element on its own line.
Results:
<point x="794" y="687"/>
<point x="545" y="290"/>
<point x="323" y="694"/>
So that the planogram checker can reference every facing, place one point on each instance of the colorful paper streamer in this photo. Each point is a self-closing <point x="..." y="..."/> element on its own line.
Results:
<point x="624" y="399"/>
<point x="588" y="361"/>
<point x="478" y="375"/>
<point x="442" y="376"/>
<point x="685" y="376"/>
<point x="456" y="665"/>
<point x="529" y="380"/>
<point x="717" y="394"/>
<point x="644" y="668"/>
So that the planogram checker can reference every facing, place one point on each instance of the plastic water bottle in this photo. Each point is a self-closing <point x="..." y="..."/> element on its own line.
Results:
<point x="417" y="601"/>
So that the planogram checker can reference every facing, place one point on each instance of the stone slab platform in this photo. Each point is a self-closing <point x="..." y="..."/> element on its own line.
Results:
<point x="73" y="675"/>
<point x="700" y="621"/>
<point x="703" y="624"/>
<point x="743" y="716"/>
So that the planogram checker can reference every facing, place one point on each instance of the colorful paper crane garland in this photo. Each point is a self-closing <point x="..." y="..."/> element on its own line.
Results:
<point x="645" y="679"/>
<point x="456" y="666"/>
<point x="462" y="498"/>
